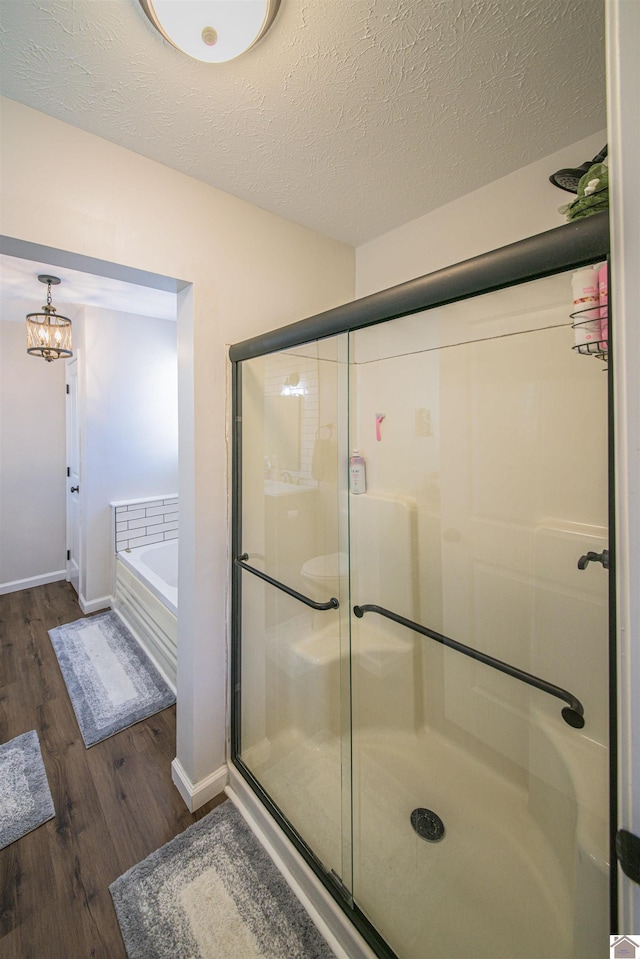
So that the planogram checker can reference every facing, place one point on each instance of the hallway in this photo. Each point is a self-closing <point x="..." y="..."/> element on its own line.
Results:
<point x="115" y="802"/>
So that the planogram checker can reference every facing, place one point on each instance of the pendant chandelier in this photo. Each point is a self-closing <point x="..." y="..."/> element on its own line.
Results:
<point x="48" y="335"/>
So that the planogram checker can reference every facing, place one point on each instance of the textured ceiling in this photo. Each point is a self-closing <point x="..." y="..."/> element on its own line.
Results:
<point x="350" y="116"/>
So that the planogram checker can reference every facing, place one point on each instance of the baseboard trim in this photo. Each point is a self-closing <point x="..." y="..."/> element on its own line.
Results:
<point x="43" y="580"/>
<point x="197" y="794"/>
<point x="94" y="605"/>
<point x="342" y="936"/>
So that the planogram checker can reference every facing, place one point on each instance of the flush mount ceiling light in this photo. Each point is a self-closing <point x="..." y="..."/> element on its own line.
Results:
<point x="48" y="335"/>
<point x="211" y="30"/>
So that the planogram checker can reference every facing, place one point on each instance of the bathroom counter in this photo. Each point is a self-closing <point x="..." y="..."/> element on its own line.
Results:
<point x="280" y="488"/>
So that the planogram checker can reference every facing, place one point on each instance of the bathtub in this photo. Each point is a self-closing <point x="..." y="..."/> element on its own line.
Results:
<point x="146" y="598"/>
<point x="157" y="567"/>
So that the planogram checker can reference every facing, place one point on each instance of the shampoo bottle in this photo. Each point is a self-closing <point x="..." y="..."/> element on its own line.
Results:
<point x="586" y="306"/>
<point x="357" y="474"/>
<point x="603" y="289"/>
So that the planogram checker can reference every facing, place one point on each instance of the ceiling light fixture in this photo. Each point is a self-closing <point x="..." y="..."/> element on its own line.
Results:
<point x="48" y="335"/>
<point x="211" y="30"/>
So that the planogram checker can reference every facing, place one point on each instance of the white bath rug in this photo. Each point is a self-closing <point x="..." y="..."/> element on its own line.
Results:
<point x="213" y="893"/>
<point x="25" y="797"/>
<point x="112" y="684"/>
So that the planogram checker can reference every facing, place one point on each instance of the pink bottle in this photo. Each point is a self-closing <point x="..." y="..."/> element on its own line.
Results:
<point x="603" y="293"/>
<point x="586" y="308"/>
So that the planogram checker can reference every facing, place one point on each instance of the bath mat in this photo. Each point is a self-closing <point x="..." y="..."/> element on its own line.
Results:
<point x="25" y="797"/>
<point x="213" y="893"/>
<point x="112" y="684"/>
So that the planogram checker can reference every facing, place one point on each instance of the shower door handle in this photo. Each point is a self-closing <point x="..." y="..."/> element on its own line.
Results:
<point x="592" y="557"/>
<point x="74" y="489"/>
<point x="241" y="561"/>
<point x="573" y="712"/>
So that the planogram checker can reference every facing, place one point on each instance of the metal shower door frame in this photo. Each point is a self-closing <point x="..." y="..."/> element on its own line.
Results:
<point x="568" y="247"/>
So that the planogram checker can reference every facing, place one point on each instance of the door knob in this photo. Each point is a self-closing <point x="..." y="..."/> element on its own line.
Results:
<point x="592" y="557"/>
<point x="75" y="489"/>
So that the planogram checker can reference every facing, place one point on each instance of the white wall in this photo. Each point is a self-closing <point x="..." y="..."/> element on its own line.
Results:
<point x="512" y="208"/>
<point x="128" y="378"/>
<point x="249" y="271"/>
<point x="32" y="461"/>
<point x="129" y="428"/>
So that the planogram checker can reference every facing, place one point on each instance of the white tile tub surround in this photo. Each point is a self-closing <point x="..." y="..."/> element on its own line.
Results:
<point x="140" y="522"/>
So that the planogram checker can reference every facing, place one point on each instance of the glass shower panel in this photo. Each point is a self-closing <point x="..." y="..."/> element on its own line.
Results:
<point x="481" y="813"/>
<point x="295" y="736"/>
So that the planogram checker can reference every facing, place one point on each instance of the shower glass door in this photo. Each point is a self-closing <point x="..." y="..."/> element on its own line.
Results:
<point x="480" y="794"/>
<point x="294" y="732"/>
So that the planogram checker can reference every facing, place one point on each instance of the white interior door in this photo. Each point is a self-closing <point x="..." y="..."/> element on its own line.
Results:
<point x="73" y="476"/>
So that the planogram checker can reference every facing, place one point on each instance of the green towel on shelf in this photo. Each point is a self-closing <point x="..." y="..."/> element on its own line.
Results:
<point x="593" y="194"/>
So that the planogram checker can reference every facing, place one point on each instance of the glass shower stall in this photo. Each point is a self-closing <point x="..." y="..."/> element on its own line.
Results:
<point x="422" y="664"/>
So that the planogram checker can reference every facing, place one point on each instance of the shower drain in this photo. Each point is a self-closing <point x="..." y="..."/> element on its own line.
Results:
<point x="427" y="824"/>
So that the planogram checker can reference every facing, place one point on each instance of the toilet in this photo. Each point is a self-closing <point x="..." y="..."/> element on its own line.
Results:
<point x="322" y="575"/>
<point x="320" y="647"/>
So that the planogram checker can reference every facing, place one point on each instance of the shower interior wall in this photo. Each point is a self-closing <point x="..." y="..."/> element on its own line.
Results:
<point x="441" y="403"/>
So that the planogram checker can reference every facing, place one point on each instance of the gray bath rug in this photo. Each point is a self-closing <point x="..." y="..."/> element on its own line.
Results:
<point x="25" y="798"/>
<point x="112" y="684"/>
<point x="213" y="893"/>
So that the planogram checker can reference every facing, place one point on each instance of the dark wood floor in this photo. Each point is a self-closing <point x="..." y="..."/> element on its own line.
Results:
<point x="115" y="802"/>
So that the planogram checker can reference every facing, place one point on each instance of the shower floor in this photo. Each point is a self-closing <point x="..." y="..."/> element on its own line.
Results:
<point x="493" y="888"/>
